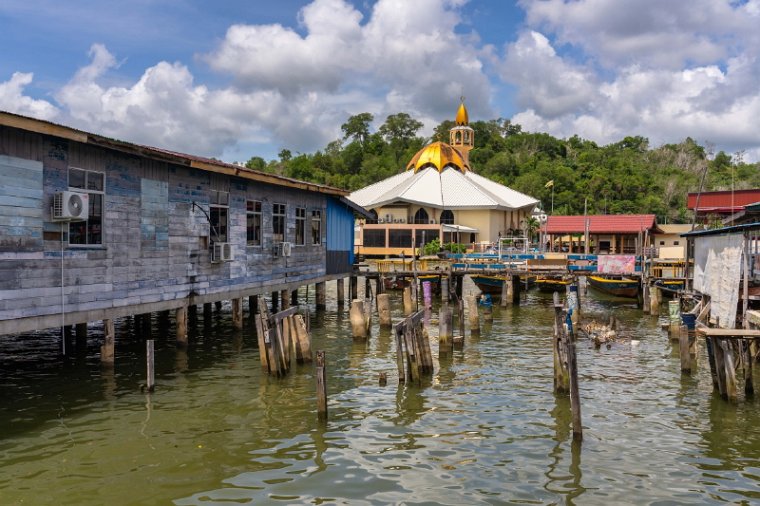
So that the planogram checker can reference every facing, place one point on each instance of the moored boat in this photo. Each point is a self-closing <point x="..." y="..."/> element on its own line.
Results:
<point x="493" y="284"/>
<point x="617" y="286"/>
<point x="551" y="284"/>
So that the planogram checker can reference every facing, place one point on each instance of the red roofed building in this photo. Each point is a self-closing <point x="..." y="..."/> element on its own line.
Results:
<point x="721" y="204"/>
<point x="607" y="233"/>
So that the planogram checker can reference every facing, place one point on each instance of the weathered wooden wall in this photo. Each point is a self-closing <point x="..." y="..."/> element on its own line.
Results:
<point x="155" y="246"/>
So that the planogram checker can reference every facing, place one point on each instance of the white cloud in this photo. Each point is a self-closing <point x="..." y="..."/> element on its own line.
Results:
<point x="12" y="98"/>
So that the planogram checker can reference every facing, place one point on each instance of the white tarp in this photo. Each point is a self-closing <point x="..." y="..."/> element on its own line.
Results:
<point x="717" y="273"/>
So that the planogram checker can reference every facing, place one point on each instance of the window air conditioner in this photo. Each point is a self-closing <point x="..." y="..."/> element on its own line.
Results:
<point x="70" y="206"/>
<point x="222" y="252"/>
<point x="380" y="220"/>
<point x="432" y="222"/>
<point x="287" y="248"/>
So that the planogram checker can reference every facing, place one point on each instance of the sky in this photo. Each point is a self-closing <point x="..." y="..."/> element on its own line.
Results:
<point x="232" y="79"/>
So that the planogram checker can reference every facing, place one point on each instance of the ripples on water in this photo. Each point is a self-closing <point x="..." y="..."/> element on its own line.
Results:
<point x="486" y="429"/>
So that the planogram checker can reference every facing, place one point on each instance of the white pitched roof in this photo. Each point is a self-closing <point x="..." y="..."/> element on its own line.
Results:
<point x="450" y="188"/>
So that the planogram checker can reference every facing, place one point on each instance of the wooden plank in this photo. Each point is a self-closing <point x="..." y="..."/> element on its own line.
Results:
<point x="321" y="386"/>
<point x="728" y="333"/>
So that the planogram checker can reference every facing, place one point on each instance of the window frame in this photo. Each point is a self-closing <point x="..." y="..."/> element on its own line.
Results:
<point x="219" y="202"/>
<point x="279" y="218"/>
<point x="300" y="238"/>
<point x="316" y="233"/>
<point x="101" y="194"/>
<point x="253" y="211"/>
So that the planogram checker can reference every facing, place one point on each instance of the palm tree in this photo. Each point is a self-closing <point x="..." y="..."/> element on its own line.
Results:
<point x="531" y="226"/>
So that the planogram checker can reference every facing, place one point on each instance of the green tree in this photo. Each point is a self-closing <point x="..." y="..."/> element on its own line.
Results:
<point x="356" y="127"/>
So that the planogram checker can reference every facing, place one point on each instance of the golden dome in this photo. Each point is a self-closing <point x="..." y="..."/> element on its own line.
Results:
<point x="438" y="155"/>
<point x="462" y="118"/>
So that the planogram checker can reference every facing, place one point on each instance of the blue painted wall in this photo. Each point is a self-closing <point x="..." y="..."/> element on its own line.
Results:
<point x="340" y="237"/>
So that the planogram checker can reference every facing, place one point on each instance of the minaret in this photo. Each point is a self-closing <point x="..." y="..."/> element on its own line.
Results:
<point x="462" y="136"/>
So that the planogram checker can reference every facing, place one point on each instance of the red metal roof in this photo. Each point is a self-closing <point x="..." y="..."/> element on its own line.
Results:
<point x="601" y="224"/>
<point x="723" y="201"/>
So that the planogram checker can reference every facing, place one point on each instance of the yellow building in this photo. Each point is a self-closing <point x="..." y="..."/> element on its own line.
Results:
<point x="439" y="196"/>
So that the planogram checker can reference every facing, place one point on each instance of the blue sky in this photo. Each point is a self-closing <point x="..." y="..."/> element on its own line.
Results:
<point x="235" y="79"/>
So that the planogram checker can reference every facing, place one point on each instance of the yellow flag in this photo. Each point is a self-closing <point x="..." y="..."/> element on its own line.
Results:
<point x="549" y="184"/>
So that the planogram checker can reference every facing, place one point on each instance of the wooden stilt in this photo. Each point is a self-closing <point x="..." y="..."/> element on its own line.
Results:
<point x="294" y="298"/>
<point x="341" y="291"/>
<point x="109" y="343"/>
<point x="253" y="304"/>
<point x="151" y="370"/>
<point x="654" y="301"/>
<point x="284" y="299"/>
<point x="384" y="309"/>
<point x="400" y="357"/>
<point x="367" y="288"/>
<point x="683" y="342"/>
<point x="383" y="379"/>
<point x="181" y="317"/>
<point x="321" y="386"/>
<point x="275" y="301"/>
<point x="458" y="341"/>
<point x="218" y="305"/>
<point x="473" y="314"/>
<point x="81" y="331"/>
<point x="192" y="312"/>
<point x="408" y="305"/>
<point x="261" y="339"/>
<point x="207" y="310"/>
<point x="730" y="374"/>
<point x="237" y="313"/>
<point x="353" y="288"/>
<point x="445" y="294"/>
<point x="505" y="299"/>
<point x="444" y="330"/>
<point x="561" y="375"/>
<point x="646" y="303"/>
<point x="303" y="340"/>
<point x="321" y="289"/>
<point x="358" y="322"/>
<point x="575" y="398"/>
<point x="749" y="389"/>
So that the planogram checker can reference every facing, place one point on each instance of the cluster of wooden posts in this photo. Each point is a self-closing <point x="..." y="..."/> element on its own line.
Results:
<point x="413" y="348"/>
<point x="280" y="336"/>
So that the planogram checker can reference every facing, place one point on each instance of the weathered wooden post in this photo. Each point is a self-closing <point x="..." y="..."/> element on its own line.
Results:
<point x="572" y="302"/>
<point x="408" y="305"/>
<point x="321" y="386"/>
<point x="683" y="348"/>
<point x="654" y="301"/>
<point x="561" y="376"/>
<point x="445" y="294"/>
<point x="321" y="289"/>
<point x="458" y="341"/>
<point x="674" y="319"/>
<point x="303" y="340"/>
<point x="294" y="298"/>
<point x="353" y="288"/>
<point x="151" y="370"/>
<point x="253" y="304"/>
<point x="284" y="299"/>
<point x="509" y="281"/>
<point x="237" y="313"/>
<point x="473" y="314"/>
<point x="275" y="302"/>
<point x="207" y="310"/>
<point x="358" y="323"/>
<point x="384" y="309"/>
<point x="109" y="343"/>
<point x="367" y="288"/>
<point x="505" y="299"/>
<point x="730" y="369"/>
<point x="427" y="294"/>
<point x="341" y="291"/>
<point x="181" y="317"/>
<point x="192" y="313"/>
<point x="81" y="331"/>
<point x="575" y="398"/>
<point x="487" y="308"/>
<point x="445" y="321"/>
<point x="646" y="304"/>
<point x="217" y="304"/>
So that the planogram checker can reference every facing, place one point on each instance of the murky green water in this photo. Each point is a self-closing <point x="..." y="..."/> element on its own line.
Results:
<point x="487" y="430"/>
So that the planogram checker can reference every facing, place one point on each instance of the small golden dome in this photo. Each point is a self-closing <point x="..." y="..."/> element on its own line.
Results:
<point x="462" y="118"/>
<point x="438" y="155"/>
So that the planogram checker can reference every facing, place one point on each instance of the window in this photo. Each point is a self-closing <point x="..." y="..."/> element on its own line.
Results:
<point x="374" y="238"/>
<point x="421" y="217"/>
<point x="662" y="243"/>
<point x="253" y="222"/>
<point x="219" y="215"/>
<point x="400" y="238"/>
<point x="278" y="223"/>
<point x="300" y="226"/>
<point x="447" y="217"/>
<point x="316" y="227"/>
<point x="675" y="243"/>
<point x="90" y="231"/>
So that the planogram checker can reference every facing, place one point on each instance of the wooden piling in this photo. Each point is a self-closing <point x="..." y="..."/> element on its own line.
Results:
<point x="275" y="301"/>
<point x="303" y="340"/>
<point x="207" y="310"/>
<point x="505" y="299"/>
<point x="445" y="293"/>
<point x="473" y="314"/>
<point x="237" y="313"/>
<point x="358" y="323"/>
<point x="151" y="369"/>
<point x="427" y="294"/>
<point x="353" y="288"/>
<point x="218" y="305"/>
<point x="575" y="398"/>
<point x="192" y="312"/>
<point x="400" y="357"/>
<point x="730" y="370"/>
<point x="294" y="298"/>
<point x="561" y="375"/>
<point x="674" y="319"/>
<point x="654" y="301"/>
<point x="284" y="299"/>
<point x="321" y="386"/>
<point x="384" y="309"/>
<point x="646" y="304"/>
<point x="408" y="305"/>
<point x="509" y="295"/>
<point x="458" y="341"/>
<point x="181" y="317"/>
<point x="109" y="343"/>
<point x="321" y="289"/>
<point x="367" y="288"/>
<point x="683" y="348"/>
<point x="253" y="304"/>
<point x="573" y="305"/>
<point x="341" y="287"/>
<point x="445" y="329"/>
<point x="261" y="339"/>
<point x="81" y="331"/>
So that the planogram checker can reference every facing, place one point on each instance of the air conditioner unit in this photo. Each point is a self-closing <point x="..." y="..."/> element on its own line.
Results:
<point x="401" y="220"/>
<point x="396" y="220"/>
<point x="388" y="218"/>
<point x="432" y="222"/>
<point x="222" y="252"/>
<point x="380" y="220"/>
<point x="70" y="206"/>
<point x="287" y="249"/>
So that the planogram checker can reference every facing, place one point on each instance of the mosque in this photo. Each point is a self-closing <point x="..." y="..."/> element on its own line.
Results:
<point x="439" y="196"/>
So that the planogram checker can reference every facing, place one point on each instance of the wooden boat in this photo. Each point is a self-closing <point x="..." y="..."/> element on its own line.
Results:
<point x="617" y="286"/>
<point x="551" y="284"/>
<point x="493" y="284"/>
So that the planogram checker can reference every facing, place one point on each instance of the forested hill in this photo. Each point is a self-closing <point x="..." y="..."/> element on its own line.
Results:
<point x="624" y="177"/>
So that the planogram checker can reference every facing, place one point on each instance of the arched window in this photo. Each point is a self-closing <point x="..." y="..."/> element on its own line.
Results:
<point x="447" y="217"/>
<point x="421" y="217"/>
<point x="374" y="216"/>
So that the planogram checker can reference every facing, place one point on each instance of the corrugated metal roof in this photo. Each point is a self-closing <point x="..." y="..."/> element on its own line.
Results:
<point x="601" y="224"/>
<point x="450" y="189"/>
<point x="723" y="201"/>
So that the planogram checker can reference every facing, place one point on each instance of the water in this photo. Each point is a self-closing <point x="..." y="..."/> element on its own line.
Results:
<point x="487" y="429"/>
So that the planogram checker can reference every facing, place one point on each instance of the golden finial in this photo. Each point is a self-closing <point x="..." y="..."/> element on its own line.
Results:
<point x="462" y="118"/>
